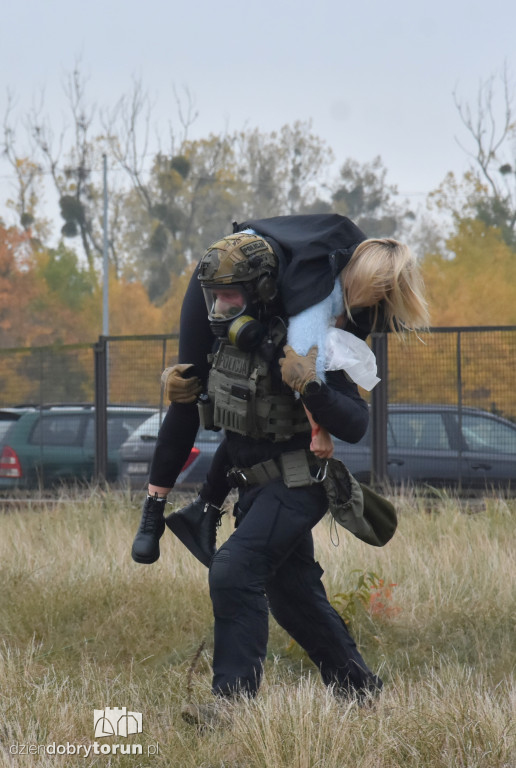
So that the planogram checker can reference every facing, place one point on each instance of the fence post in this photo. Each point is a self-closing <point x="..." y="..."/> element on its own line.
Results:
<point x="459" y="408"/>
<point x="379" y="412"/>
<point x="101" y="439"/>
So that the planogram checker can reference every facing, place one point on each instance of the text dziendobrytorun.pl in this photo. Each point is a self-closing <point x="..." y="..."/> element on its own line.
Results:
<point x="83" y="750"/>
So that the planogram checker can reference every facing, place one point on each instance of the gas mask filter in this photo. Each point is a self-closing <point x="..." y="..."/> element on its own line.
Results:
<point x="246" y="333"/>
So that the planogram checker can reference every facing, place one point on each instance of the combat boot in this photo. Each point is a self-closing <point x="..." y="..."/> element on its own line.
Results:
<point x="146" y="542"/>
<point x="196" y="526"/>
<point x="208" y="716"/>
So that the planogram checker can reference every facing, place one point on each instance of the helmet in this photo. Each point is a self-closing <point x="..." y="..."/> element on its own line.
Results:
<point x="237" y="274"/>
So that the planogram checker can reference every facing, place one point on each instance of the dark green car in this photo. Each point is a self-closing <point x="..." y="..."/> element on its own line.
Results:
<point x="55" y="445"/>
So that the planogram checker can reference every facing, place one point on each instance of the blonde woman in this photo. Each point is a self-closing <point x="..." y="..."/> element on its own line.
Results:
<point x="381" y="287"/>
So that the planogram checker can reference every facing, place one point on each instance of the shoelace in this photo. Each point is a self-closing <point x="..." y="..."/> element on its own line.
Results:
<point x="152" y="519"/>
<point x="151" y="522"/>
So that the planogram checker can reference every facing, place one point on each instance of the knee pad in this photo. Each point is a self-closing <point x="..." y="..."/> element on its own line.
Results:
<point x="223" y="580"/>
<point x="235" y="580"/>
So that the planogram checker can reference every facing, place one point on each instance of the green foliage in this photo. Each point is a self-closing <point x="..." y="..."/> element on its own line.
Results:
<point x="497" y="212"/>
<point x="65" y="278"/>
<point x="181" y="164"/>
<point x="347" y="603"/>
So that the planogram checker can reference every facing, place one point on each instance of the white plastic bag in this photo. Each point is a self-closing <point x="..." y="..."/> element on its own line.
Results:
<point x="346" y="352"/>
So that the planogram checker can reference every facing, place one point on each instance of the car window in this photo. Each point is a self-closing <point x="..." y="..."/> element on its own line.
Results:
<point x="483" y="434"/>
<point x="149" y="427"/>
<point x="53" y="429"/>
<point x="5" y="426"/>
<point x="423" y="431"/>
<point x="119" y="428"/>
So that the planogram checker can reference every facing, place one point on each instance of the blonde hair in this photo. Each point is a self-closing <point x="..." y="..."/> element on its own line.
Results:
<point x="386" y="270"/>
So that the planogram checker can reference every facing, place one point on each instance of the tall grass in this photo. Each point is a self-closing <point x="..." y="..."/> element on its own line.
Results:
<point x="83" y="627"/>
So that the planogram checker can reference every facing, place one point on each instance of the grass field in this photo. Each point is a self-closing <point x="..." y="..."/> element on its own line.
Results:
<point x="82" y="627"/>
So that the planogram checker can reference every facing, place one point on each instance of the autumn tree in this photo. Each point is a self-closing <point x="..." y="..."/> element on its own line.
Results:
<point x="473" y="282"/>
<point x="17" y="286"/>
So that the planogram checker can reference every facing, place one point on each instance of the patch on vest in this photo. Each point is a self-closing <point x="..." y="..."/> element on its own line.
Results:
<point x="235" y="361"/>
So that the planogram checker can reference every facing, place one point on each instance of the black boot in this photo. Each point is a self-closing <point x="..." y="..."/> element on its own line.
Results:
<point x="146" y="542"/>
<point x="196" y="526"/>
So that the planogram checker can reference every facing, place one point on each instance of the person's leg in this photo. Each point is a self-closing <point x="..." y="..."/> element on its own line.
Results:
<point x="299" y="604"/>
<point x="177" y="432"/>
<point x="273" y="520"/>
<point x="196" y="524"/>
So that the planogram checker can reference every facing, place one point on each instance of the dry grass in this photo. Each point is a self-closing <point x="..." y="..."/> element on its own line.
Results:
<point x="83" y="627"/>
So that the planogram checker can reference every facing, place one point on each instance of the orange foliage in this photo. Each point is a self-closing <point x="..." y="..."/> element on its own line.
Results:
<point x="171" y="309"/>
<point x="476" y="285"/>
<point x="380" y="601"/>
<point x="17" y="287"/>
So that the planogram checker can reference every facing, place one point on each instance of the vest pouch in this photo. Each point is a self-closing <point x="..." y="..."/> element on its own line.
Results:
<point x="295" y="469"/>
<point x="233" y="403"/>
<point x="206" y="409"/>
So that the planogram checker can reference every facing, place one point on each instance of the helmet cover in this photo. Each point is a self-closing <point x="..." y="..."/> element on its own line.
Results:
<point x="237" y="258"/>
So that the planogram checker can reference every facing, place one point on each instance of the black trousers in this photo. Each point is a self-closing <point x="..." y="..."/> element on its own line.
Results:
<point x="268" y="563"/>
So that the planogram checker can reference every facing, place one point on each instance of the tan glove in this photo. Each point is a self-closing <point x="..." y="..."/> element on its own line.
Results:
<point x="298" y="370"/>
<point x="179" y="389"/>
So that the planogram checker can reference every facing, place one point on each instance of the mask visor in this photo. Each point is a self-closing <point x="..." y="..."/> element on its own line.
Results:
<point x="225" y="302"/>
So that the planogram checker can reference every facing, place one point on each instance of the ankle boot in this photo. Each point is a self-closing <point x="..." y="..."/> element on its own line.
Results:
<point x="146" y="542"/>
<point x="196" y="526"/>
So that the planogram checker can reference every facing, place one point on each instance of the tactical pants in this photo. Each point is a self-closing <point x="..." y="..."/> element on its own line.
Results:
<point x="268" y="562"/>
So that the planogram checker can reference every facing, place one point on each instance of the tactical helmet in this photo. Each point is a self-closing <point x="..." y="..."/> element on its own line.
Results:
<point x="238" y="258"/>
<point x="237" y="272"/>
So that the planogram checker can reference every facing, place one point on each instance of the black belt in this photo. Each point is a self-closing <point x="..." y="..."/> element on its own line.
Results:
<point x="296" y="468"/>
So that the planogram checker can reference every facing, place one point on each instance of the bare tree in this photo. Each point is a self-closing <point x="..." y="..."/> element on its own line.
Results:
<point x="493" y="133"/>
<point x="72" y="170"/>
<point x="27" y="174"/>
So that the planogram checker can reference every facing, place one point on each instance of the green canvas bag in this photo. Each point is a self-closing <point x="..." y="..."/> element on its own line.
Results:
<point x="359" y="509"/>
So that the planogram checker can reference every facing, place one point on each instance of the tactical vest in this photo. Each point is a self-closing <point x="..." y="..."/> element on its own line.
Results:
<point x="241" y="398"/>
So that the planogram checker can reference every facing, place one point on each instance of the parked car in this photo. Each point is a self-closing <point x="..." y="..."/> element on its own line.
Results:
<point x="426" y="444"/>
<point x="136" y="455"/>
<point x="7" y="418"/>
<point x="52" y="445"/>
<point x="439" y="446"/>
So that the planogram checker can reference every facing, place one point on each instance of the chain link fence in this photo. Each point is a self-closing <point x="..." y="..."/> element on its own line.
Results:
<point x="460" y="367"/>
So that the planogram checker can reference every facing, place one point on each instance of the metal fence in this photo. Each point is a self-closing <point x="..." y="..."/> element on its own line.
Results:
<point x="461" y="367"/>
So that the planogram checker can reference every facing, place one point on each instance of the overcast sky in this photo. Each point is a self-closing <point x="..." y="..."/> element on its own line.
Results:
<point x="375" y="77"/>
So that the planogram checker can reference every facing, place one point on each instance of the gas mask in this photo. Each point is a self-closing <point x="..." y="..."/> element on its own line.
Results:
<point x="231" y="315"/>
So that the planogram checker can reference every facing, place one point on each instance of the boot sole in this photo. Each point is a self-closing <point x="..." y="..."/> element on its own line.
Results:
<point x="178" y="527"/>
<point x="143" y="559"/>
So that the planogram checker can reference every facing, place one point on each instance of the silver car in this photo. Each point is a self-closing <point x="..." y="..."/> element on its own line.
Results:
<point x="136" y="456"/>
